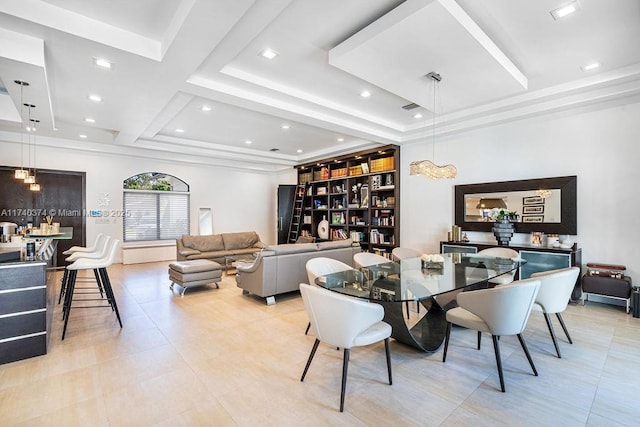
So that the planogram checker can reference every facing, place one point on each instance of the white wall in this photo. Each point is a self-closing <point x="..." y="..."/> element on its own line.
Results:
<point x="601" y="147"/>
<point x="240" y="200"/>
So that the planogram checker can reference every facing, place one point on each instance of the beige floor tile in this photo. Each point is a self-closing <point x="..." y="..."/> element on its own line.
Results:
<point x="218" y="357"/>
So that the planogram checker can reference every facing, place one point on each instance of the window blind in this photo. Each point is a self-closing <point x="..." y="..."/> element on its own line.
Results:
<point x="155" y="215"/>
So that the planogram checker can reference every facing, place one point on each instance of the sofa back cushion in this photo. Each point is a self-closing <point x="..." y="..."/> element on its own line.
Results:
<point x="335" y="244"/>
<point x="245" y="239"/>
<point x="288" y="248"/>
<point x="203" y="243"/>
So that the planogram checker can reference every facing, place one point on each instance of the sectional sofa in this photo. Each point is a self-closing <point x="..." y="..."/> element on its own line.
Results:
<point x="281" y="268"/>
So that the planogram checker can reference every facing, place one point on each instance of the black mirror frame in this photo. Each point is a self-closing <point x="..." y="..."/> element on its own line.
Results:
<point x="568" y="200"/>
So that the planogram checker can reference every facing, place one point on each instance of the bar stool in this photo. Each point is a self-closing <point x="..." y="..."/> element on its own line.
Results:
<point x="99" y="266"/>
<point x="99" y="250"/>
<point x="97" y="244"/>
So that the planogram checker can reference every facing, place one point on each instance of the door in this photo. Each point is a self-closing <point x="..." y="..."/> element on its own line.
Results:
<point x="286" y="194"/>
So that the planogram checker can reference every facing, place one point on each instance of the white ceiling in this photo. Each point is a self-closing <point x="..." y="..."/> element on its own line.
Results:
<point x="500" y="60"/>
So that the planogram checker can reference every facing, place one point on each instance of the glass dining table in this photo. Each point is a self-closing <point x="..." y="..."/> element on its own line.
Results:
<point x="434" y="286"/>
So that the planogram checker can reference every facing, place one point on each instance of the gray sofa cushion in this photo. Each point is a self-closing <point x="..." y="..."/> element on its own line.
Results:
<point x="204" y="243"/>
<point x="289" y="248"/>
<point x="241" y="240"/>
<point x="335" y="244"/>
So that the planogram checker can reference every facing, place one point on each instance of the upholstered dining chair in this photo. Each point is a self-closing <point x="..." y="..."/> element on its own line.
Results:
<point x="400" y="253"/>
<point x="365" y="259"/>
<point x="344" y="322"/>
<point x="321" y="266"/>
<point x="553" y="297"/>
<point x="503" y="310"/>
<point x="502" y="253"/>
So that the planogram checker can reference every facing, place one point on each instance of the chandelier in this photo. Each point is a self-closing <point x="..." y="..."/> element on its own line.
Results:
<point x="428" y="168"/>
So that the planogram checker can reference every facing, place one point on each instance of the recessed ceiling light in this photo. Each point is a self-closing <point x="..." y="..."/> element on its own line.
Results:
<point x="591" y="66"/>
<point x="248" y="142"/>
<point x="299" y="151"/>
<point x="565" y="10"/>
<point x="89" y="120"/>
<point x="205" y="108"/>
<point x="365" y="94"/>
<point x="83" y="136"/>
<point x="95" y="98"/>
<point x="285" y="126"/>
<point x="180" y="130"/>
<point x="340" y="139"/>
<point x="269" y="53"/>
<point x="417" y="116"/>
<point x="102" y="62"/>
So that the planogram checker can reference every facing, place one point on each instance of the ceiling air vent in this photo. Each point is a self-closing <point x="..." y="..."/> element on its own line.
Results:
<point x="274" y="149"/>
<point x="411" y="106"/>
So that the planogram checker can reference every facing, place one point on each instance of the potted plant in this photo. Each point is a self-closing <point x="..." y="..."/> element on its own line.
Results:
<point x="503" y="228"/>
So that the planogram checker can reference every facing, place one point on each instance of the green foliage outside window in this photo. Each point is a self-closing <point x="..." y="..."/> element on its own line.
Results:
<point x="147" y="181"/>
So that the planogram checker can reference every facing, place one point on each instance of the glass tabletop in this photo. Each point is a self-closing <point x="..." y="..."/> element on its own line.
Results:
<point x="413" y="280"/>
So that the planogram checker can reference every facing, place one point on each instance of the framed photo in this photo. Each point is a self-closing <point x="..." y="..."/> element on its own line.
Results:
<point x="532" y="209"/>
<point x="532" y="218"/>
<point x="376" y="181"/>
<point x="364" y="196"/>
<point x="532" y="200"/>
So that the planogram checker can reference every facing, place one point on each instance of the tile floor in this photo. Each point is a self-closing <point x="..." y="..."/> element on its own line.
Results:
<point x="217" y="357"/>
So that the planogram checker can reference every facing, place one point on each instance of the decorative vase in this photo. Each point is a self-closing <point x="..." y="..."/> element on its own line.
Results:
<point x="323" y="228"/>
<point x="503" y="231"/>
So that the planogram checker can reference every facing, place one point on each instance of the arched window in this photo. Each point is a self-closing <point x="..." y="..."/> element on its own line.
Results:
<point x="156" y="207"/>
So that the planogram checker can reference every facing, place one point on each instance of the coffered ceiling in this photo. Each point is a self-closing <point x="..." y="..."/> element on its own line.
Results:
<point x="499" y="60"/>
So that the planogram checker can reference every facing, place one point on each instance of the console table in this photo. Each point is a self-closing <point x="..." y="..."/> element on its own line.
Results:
<point x="539" y="258"/>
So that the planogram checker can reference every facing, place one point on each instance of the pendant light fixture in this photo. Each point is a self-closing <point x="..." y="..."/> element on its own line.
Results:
<point x="22" y="172"/>
<point x="29" y="179"/>
<point x="427" y="167"/>
<point x="34" y="186"/>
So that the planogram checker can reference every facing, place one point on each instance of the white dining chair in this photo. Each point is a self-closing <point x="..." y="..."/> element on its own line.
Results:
<point x="400" y="253"/>
<point x="553" y="297"/>
<point x="322" y="266"/>
<point x="344" y="322"/>
<point x="503" y="310"/>
<point x="502" y="253"/>
<point x="366" y="259"/>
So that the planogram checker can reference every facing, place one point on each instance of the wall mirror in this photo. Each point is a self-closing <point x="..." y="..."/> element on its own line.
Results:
<point x="545" y="204"/>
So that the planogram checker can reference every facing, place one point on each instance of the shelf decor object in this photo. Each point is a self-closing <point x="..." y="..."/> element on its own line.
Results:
<point x="503" y="231"/>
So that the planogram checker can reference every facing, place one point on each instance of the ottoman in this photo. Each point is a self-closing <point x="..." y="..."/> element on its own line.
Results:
<point x="195" y="272"/>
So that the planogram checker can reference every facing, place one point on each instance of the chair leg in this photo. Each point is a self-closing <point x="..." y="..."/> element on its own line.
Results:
<point x="526" y="352"/>
<point x="407" y="305"/>
<point x="306" y="331"/>
<point x="313" y="352"/>
<point x="564" y="327"/>
<point x="345" y="368"/>
<point x="479" y="339"/>
<point x="446" y="342"/>
<point x="99" y="282"/>
<point x="68" y="297"/>
<point x="496" y="349"/>
<point x="63" y="284"/>
<point x="386" y="348"/>
<point x="547" y="319"/>
<point x="106" y="283"/>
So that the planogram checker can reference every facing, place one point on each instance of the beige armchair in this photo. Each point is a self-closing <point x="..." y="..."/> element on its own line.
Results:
<point x="503" y="310"/>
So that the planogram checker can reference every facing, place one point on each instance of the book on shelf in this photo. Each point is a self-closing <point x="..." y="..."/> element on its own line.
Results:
<point x="339" y="234"/>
